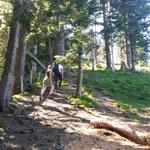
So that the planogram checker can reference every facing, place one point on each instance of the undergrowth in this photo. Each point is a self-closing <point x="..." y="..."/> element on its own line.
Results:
<point x="83" y="102"/>
<point x="20" y="96"/>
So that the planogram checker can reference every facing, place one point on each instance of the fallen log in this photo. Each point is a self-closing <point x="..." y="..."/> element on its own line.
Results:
<point x="123" y="130"/>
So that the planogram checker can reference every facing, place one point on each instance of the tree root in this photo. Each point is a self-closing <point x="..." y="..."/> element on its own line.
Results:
<point x="122" y="130"/>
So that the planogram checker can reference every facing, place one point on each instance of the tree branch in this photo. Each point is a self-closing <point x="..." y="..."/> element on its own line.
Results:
<point x="36" y="61"/>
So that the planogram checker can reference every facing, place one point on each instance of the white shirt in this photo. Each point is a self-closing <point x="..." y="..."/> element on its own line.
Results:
<point x="60" y="68"/>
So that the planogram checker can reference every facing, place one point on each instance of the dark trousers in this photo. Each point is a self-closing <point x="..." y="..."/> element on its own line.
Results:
<point x="58" y="80"/>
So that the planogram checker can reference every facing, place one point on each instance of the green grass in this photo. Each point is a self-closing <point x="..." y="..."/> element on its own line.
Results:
<point x="64" y="84"/>
<point x="82" y="102"/>
<point x="36" y="84"/>
<point x="130" y="91"/>
<point x="20" y="96"/>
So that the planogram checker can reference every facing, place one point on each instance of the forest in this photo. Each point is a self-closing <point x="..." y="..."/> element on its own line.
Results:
<point x="97" y="98"/>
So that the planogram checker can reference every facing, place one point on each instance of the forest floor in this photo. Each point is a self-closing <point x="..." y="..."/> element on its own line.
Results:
<point x="56" y="125"/>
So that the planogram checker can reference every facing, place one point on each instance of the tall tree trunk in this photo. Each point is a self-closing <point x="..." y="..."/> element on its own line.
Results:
<point x="132" y="45"/>
<point x="58" y="44"/>
<point x="49" y="51"/>
<point x="80" y="73"/>
<point x="8" y="76"/>
<point x="93" y="59"/>
<point x="106" y="37"/>
<point x="7" y="80"/>
<point x="112" y="50"/>
<point x="34" y="66"/>
<point x="112" y="55"/>
<point x="46" y="52"/>
<point x="128" y="51"/>
<point x="35" y="48"/>
<point x="127" y="40"/>
<point x="20" y="62"/>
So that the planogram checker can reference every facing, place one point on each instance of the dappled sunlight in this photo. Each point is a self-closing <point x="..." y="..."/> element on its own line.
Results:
<point x="54" y="124"/>
<point x="83" y="73"/>
<point x="99" y="139"/>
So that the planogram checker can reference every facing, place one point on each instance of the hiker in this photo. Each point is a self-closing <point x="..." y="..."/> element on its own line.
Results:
<point x="58" y="74"/>
<point x="47" y="82"/>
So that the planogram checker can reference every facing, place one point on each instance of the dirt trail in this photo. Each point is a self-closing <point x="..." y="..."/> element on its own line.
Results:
<point x="56" y="125"/>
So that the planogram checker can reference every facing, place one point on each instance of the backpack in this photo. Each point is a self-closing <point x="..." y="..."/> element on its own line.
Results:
<point x="56" y="68"/>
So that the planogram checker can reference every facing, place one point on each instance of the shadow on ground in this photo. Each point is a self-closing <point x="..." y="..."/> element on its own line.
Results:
<point x="26" y="131"/>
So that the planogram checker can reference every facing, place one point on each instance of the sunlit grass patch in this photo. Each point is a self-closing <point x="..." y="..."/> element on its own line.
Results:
<point x="82" y="102"/>
<point x="20" y="96"/>
<point x="64" y="84"/>
<point x="85" y="101"/>
<point x="125" y="107"/>
<point x="17" y="97"/>
<point x="87" y="91"/>
<point x="36" y="84"/>
<point x="130" y="91"/>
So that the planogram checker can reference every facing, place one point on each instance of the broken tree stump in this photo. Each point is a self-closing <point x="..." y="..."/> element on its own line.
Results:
<point x="124" y="67"/>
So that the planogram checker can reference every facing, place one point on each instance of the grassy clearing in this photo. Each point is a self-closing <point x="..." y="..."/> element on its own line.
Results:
<point x="131" y="92"/>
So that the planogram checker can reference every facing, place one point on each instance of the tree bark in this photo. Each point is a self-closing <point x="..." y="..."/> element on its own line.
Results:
<point x="49" y="51"/>
<point x="33" y="66"/>
<point x="35" y="48"/>
<point x="112" y="54"/>
<point x="122" y="130"/>
<point x="36" y="60"/>
<point x="8" y="76"/>
<point x="20" y="62"/>
<point x="58" y="44"/>
<point x="106" y="37"/>
<point x="128" y="51"/>
<point x="132" y="47"/>
<point x="93" y="58"/>
<point x="80" y="74"/>
<point x="7" y="80"/>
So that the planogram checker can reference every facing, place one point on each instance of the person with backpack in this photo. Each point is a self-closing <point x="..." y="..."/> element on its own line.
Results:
<point x="58" y="75"/>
